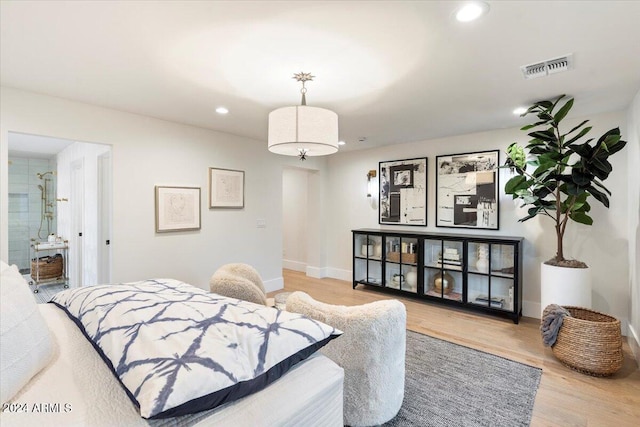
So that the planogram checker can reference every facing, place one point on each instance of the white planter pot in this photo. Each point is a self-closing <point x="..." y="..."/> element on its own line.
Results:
<point x="564" y="286"/>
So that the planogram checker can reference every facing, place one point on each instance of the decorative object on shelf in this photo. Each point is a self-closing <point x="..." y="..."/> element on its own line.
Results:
<point x="443" y="282"/>
<point x="377" y="250"/>
<point x="467" y="190"/>
<point x="226" y="188"/>
<point x="412" y="278"/>
<point x="482" y="264"/>
<point x="495" y="302"/>
<point x="49" y="267"/>
<point x="404" y="257"/>
<point x="177" y="208"/>
<point x="370" y="182"/>
<point x="566" y="173"/>
<point x="450" y="259"/>
<point x="302" y="130"/>
<point x="403" y="192"/>
<point x="367" y="248"/>
<point x="397" y="278"/>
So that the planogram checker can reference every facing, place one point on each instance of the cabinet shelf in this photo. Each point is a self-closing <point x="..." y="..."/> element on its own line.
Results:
<point x="481" y="273"/>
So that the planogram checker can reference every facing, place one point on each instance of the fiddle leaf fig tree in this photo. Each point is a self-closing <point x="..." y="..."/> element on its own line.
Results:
<point x="562" y="171"/>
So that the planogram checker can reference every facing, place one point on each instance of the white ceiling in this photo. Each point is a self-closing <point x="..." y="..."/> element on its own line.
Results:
<point x="394" y="71"/>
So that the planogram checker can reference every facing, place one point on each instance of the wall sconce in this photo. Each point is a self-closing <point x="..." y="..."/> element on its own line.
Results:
<point x="371" y="182"/>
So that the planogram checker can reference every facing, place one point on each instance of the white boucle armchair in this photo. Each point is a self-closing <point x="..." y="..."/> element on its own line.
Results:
<point x="371" y="351"/>
<point x="238" y="280"/>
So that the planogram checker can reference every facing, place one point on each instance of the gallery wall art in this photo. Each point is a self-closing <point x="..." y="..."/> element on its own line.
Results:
<point x="403" y="192"/>
<point x="467" y="190"/>
<point x="177" y="208"/>
<point x="226" y="188"/>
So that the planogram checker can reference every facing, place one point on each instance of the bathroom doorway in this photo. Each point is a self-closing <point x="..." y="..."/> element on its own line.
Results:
<point x="60" y="188"/>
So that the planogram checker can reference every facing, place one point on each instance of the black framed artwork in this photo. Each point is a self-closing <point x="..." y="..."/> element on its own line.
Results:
<point x="403" y="192"/>
<point x="467" y="190"/>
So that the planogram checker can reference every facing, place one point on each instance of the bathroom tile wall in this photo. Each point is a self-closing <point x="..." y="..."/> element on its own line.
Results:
<point x="26" y="221"/>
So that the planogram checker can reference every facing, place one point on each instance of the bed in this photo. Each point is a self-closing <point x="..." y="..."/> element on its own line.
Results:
<point x="77" y="387"/>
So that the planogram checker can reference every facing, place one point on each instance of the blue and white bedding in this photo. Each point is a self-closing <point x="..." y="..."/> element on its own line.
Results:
<point x="178" y="349"/>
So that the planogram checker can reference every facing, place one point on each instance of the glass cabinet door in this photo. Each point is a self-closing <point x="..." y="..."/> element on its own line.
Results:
<point x="443" y="262"/>
<point x="401" y="261"/>
<point x="368" y="259"/>
<point x="490" y="280"/>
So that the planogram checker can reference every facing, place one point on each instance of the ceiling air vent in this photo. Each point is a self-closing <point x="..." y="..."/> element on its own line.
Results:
<point x="550" y="66"/>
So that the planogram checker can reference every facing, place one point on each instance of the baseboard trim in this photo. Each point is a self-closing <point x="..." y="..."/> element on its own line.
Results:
<point x="316" y="272"/>
<point x="340" y="274"/>
<point x="531" y="309"/>
<point x="294" y="265"/>
<point x="274" y="284"/>
<point x="634" y="343"/>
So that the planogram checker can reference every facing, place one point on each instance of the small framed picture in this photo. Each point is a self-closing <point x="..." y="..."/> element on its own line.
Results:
<point x="226" y="188"/>
<point x="177" y="208"/>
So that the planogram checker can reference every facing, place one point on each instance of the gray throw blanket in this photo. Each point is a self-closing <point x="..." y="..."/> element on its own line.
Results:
<point x="552" y="318"/>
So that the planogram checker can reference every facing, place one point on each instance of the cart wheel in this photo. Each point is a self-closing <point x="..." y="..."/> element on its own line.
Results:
<point x="66" y="286"/>
<point x="31" y="283"/>
<point x="35" y="291"/>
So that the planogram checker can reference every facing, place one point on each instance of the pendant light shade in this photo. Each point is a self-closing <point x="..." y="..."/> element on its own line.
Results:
<point x="302" y="130"/>
<point x="312" y="129"/>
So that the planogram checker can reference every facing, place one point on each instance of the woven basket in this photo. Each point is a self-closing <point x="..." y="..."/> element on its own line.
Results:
<point x="407" y="258"/>
<point x="47" y="267"/>
<point x="589" y="342"/>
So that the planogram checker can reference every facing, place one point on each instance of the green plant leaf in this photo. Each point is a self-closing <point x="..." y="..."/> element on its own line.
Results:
<point x="563" y="111"/>
<point x="598" y="195"/>
<point x="581" y="217"/>
<point x="599" y="184"/>
<point x="580" y="178"/>
<point x="582" y="133"/>
<point x="576" y="128"/>
<point x="582" y="150"/>
<point x="514" y="184"/>
<point x="545" y="135"/>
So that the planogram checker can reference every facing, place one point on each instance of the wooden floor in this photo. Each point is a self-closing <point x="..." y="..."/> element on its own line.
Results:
<point x="565" y="397"/>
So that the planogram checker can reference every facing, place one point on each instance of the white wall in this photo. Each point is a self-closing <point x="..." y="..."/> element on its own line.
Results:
<point x="149" y="152"/>
<point x="633" y="160"/>
<point x="603" y="246"/>
<point x="295" y="218"/>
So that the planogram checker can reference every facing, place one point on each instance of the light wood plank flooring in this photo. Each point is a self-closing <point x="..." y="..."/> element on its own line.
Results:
<point x="565" y="397"/>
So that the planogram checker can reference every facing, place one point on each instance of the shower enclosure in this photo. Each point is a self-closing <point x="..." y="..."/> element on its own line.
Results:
<point x="32" y="207"/>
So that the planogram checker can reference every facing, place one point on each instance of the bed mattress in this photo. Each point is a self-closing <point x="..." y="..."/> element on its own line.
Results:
<point x="78" y="389"/>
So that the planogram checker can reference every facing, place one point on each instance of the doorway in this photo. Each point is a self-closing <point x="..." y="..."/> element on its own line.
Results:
<point x="302" y="222"/>
<point x="81" y="199"/>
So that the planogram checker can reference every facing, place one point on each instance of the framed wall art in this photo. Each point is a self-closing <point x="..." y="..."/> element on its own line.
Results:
<point x="403" y="192"/>
<point x="177" y="208"/>
<point x="226" y="188"/>
<point x="467" y="190"/>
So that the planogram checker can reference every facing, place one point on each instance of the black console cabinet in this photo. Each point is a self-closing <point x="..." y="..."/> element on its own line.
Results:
<point x="482" y="273"/>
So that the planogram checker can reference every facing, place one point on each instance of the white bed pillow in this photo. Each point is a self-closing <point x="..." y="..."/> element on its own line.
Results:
<point x="25" y="339"/>
<point x="178" y="349"/>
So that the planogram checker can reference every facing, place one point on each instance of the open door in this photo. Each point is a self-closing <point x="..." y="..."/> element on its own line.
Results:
<point x="104" y="215"/>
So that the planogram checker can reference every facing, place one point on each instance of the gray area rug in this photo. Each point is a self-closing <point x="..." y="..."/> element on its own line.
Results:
<point x="450" y="385"/>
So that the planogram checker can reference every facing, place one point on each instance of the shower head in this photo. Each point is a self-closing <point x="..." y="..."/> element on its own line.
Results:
<point x="40" y="187"/>
<point x="42" y="175"/>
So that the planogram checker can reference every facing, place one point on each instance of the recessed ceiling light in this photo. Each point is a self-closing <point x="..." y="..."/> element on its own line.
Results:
<point x="471" y="10"/>
<point x="520" y="110"/>
<point x="341" y="142"/>
<point x="222" y="110"/>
